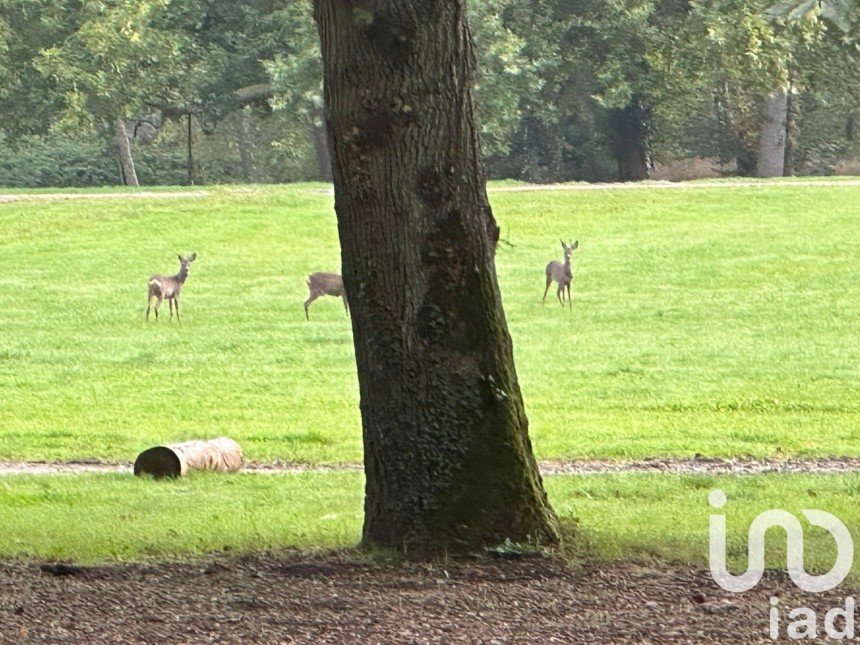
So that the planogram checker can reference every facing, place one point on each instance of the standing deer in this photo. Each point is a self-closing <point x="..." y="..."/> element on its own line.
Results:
<point x="325" y="284"/>
<point x="167" y="287"/>
<point x="561" y="273"/>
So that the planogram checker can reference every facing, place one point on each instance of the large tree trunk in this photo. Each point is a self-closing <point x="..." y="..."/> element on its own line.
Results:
<point x="448" y="462"/>
<point x="771" y="152"/>
<point x="629" y="138"/>
<point x="126" y="161"/>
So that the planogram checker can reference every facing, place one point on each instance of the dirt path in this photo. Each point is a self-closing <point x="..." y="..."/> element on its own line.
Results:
<point x="58" y="197"/>
<point x="658" y="185"/>
<point x="688" y="185"/>
<point x="338" y="598"/>
<point x="695" y="466"/>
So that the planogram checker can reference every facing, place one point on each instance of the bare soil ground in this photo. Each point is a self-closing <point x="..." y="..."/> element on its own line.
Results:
<point x="662" y="184"/>
<point x="335" y="598"/>
<point x="658" y="184"/>
<point x="58" y="197"/>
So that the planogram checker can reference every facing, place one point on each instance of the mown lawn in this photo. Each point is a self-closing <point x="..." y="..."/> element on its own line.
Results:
<point x="720" y="321"/>
<point x="94" y="518"/>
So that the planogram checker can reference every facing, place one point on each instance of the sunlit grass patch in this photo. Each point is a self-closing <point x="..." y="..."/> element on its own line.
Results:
<point x="94" y="518"/>
<point x="712" y="321"/>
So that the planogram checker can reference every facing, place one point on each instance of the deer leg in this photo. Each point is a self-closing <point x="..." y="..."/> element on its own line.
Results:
<point x="345" y="305"/>
<point x="559" y="294"/>
<point x="158" y="306"/>
<point x="548" y="282"/>
<point x="569" y="299"/>
<point x="176" y="304"/>
<point x="314" y="296"/>
<point x="151" y="295"/>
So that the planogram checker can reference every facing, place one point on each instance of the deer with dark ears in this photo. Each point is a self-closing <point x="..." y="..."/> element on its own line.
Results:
<point x="167" y="287"/>
<point x="325" y="284"/>
<point x="561" y="273"/>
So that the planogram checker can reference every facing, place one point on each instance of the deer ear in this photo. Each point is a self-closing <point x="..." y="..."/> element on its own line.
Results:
<point x="180" y="257"/>
<point x="575" y="245"/>
<point x="193" y="257"/>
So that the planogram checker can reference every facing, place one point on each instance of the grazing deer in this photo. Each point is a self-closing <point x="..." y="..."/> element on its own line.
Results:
<point x="561" y="273"/>
<point x="325" y="284"/>
<point x="167" y="287"/>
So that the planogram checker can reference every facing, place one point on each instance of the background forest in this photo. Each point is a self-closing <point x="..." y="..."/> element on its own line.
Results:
<point x="155" y="92"/>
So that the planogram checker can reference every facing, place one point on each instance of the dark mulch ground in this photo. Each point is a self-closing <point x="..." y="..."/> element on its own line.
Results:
<point x="288" y="597"/>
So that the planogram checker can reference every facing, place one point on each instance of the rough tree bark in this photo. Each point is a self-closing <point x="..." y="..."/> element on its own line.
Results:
<point x="126" y="161"/>
<point x="771" y="152"/>
<point x="448" y="461"/>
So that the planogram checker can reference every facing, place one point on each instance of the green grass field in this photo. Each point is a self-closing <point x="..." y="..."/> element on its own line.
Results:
<point x="617" y="516"/>
<point x="716" y="320"/>
<point x="720" y="321"/>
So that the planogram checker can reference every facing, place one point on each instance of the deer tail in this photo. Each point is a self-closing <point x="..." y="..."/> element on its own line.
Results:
<point x="155" y="287"/>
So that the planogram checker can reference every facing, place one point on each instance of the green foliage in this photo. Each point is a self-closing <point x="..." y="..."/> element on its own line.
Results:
<point x="566" y="89"/>
<point x="88" y="159"/>
<point x="115" y="57"/>
<point x="296" y="69"/>
<point x="734" y="56"/>
<point x="827" y="108"/>
<point x="696" y="74"/>
<point x="843" y="14"/>
<point x="605" y="70"/>
<point x="34" y="161"/>
<point x="505" y="76"/>
<point x="29" y="99"/>
<point x="738" y="52"/>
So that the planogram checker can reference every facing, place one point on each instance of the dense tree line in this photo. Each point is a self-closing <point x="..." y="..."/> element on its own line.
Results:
<point x="157" y="91"/>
